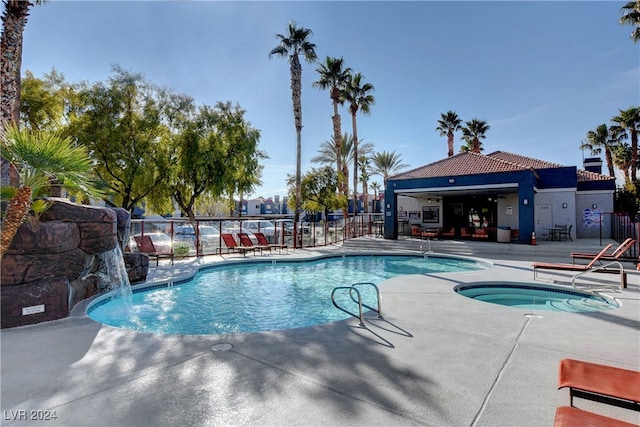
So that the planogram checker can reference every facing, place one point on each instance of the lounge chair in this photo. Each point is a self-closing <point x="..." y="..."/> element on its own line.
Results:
<point x="611" y="256"/>
<point x="569" y="267"/>
<point x="567" y="416"/>
<point x="232" y="245"/>
<point x="146" y="246"/>
<point x="600" y="383"/>
<point x="246" y="242"/>
<point x="262" y="240"/>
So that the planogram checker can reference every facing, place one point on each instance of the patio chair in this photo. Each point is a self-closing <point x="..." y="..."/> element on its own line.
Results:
<point x="610" y="256"/>
<point x="246" y="242"/>
<point x="568" y="416"/>
<point x="569" y="267"/>
<point x="600" y="383"/>
<point x="262" y="240"/>
<point x="146" y="246"/>
<point x="232" y="245"/>
<point x="564" y="233"/>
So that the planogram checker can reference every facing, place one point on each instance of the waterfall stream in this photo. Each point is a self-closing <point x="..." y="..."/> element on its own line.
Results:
<point x="112" y="272"/>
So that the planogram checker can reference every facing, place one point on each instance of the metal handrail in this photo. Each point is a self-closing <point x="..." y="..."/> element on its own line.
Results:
<point x="350" y="288"/>
<point x="358" y="301"/>
<point x="428" y="242"/>
<point x="600" y="267"/>
<point x="378" y="297"/>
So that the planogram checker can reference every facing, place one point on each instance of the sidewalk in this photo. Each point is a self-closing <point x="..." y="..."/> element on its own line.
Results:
<point x="435" y="359"/>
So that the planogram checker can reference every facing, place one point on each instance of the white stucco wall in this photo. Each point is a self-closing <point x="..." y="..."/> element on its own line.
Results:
<point x="592" y="212"/>
<point x="508" y="212"/>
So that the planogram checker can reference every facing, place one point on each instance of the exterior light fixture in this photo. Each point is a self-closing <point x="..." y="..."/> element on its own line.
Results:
<point x="594" y="206"/>
<point x="564" y="206"/>
<point x="388" y="206"/>
<point x="451" y="180"/>
<point x="525" y="201"/>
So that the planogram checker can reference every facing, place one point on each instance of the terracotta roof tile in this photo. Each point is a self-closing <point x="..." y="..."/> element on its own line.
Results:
<point x="499" y="161"/>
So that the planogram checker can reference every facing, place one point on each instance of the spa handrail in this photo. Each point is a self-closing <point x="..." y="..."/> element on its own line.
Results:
<point x="601" y="267"/>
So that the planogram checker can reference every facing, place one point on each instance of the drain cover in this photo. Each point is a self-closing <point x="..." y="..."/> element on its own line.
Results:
<point x="222" y="347"/>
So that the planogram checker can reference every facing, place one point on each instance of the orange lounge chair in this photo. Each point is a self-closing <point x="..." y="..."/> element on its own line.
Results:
<point x="262" y="240"/>
<point x="600" y="383"/>
<point x="568" y="267"/>
<point x="612" y="256"/>
<point x="567" y="416"/>
<point x="232" y="245"/>
<point x="246" y="242"/>
<point x="146" y="246"/>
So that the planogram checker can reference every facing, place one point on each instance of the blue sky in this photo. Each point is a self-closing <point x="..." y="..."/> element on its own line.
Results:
<point x="541" y="74"/>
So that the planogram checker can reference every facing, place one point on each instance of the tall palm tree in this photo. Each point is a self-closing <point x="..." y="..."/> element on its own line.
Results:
<point x="449" y="123"/>
<point x="359" y="97"/>
<point x="472" y="132"/>
<point x="14" y="19"/>
<point x="386" y="163"/>
<point x="629" y="121"/>
<point x="40" y="156"/>
<point x="597" y="141"/>
<point x="631" y="16"/>
<point x="296" y="43"/>
<point x="333" y="76"/>
<point x="375" y="186"/>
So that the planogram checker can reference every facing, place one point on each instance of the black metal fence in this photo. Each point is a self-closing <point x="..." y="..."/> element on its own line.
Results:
<point x="622" y="228"/>
<point x="203" y="236"/>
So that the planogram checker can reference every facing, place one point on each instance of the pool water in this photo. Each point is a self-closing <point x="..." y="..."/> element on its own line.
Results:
<point x="536" y="297"/>
<point x="256" y="297"/>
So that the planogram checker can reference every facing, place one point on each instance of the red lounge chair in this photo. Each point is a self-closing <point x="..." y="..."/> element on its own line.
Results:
<point x="246" y="242"/>
<point x="568" y="267"/>
<point x="612" y="256"/>
<point x="571" y="417"/>
<point x="146" y="246"/>
<point x="232" y="245"/>
<point x="262" y="240"/>
<point x="601" y="383"/>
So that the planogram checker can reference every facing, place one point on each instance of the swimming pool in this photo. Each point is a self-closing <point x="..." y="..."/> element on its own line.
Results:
<point x="259" y="296"/>
<point x="536" y="297"/>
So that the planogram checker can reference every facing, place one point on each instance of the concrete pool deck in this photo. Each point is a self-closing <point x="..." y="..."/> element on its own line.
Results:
<point x="436" y="358"/>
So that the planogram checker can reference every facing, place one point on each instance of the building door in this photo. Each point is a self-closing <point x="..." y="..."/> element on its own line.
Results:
<point x="544" y="219"/>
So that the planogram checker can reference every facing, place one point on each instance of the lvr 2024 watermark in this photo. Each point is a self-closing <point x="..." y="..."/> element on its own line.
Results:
<point x="29" y="415"/>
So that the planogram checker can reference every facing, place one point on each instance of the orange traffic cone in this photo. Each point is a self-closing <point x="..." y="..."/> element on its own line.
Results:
<point x="533" y="238"/>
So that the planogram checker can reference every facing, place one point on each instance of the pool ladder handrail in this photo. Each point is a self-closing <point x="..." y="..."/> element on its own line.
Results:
<point x="603" y="267"/>
<point x="351" y="289"/>
<point x="428" y="242"/>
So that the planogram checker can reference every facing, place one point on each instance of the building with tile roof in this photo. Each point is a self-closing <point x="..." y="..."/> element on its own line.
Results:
<point x="477" y="195"/>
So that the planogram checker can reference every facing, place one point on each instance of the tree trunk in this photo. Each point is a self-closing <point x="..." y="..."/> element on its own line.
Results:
<point x="17" y="211"/>
<point x="296" y="94"/>
<point x="634" y="154"/>
<point x="450" y="142"/>
<point x="354" y="125"/>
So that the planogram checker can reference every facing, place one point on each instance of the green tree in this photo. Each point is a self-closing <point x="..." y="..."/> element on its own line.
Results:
<point x="599" y="140"/>
<point x="449" y="123"/>
<point x="631" y="16"/>
<point x="629" y="123"/>
<point x="333" y="76"/>
<point x="216" y="155"/>
<point x="127" y="126"/>
<point x="291" y="46"/>
<point x="359" y="98"/>
<point x="319" y="191"/>
<point x="472" y="132"/>
<point x="621" y="154"/>
<point x="386" y="163"/>
<point x="39" y="157"/>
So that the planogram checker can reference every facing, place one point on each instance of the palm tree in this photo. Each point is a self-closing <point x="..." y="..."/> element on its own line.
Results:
<point x="472" y="132"/>
<point x="632" y="17"/>
<point x="292" y="45"/>
<point x="334" y="77"/>
<point x="363" y="164"/>
<point x="40" y="156"/>
<point x="14" y="19"/>
<point x="375" y="185"/>
<point x="386" y="163"/>
<point x="629" y="121"/>
<point x="359" y="97"/>
<point x="448" y="124"/>
<point x="622" y="158"/>
<point x="599" y="140"/>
